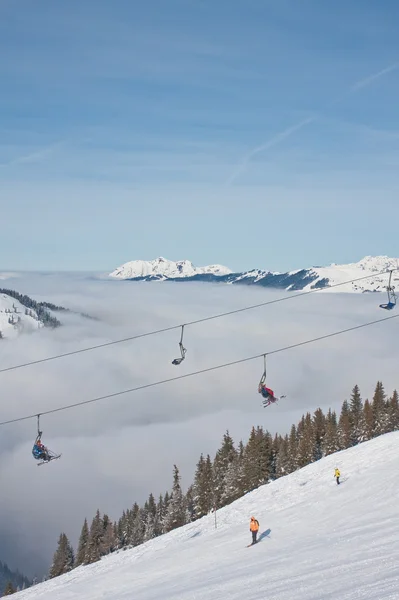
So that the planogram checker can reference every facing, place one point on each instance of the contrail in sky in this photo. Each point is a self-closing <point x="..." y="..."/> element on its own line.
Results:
<point x="294" y="128"/>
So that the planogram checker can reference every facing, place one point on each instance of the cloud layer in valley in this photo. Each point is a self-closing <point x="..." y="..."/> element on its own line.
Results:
<point x="117" y="451"/>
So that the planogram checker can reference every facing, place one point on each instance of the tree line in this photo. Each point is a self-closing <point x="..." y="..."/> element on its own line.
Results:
<point x="233" y="471"/>
<point x="41" y="308"/>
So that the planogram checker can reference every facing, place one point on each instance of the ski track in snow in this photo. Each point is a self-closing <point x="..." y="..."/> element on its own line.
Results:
<point x="326" y="542"/>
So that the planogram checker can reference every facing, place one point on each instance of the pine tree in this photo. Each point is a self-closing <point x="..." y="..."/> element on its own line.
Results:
<point x="139" y="527"/>
<point x="93" y="550"/>
<point x="190" y="504"/>
<point x="319" y="431"/>
<point x="159" y="517"/>
<point x="176" y="511"/>
<point x="356" y="417"/>
<point x="257" y="458"/>
<point x="344" y="427"/>
<point x="232" y="480"/>
<point x="292" y="450"/>
<point x="121" y="531"/>
<point x="203" y="492"/>
<point x="306" y="443"/>
<point x="63" y="558"/>
<point x="9" y="589"/>
<point x="368" y="420"/>
<point x="224" y="456"/>
<point x="330" y="441"/>
<point x="82" y="545"/>
<point x="393" y="412"/>
<point x="109" y="541"/>
<point x="282" y="461"/>
<point x="379" y="412"/>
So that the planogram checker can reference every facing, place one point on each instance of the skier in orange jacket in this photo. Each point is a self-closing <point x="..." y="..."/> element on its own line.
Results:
<point x="254" y="528"/>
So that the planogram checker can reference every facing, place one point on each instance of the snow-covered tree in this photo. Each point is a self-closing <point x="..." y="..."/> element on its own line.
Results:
<point x="203" y="491"/>
<point x="330" y="441"/>
<point x="94" y="544"/>
<point x="82" y="545"/>
<point x="176" y="511"/>
<point x="63" y="558"/>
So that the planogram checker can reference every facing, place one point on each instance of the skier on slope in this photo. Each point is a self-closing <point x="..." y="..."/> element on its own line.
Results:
<point x="337" y="474"/>
<point x="254" y="528"/>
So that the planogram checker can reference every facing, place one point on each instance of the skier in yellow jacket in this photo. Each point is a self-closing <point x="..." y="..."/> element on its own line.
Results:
<point x="337" y="474"/>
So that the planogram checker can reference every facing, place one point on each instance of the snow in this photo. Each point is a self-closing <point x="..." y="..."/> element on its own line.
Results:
<point x="367" y="267"/>
<point x="321" y="542"/>
<point x="27" y="322"/>
<point x="164" y="268"/>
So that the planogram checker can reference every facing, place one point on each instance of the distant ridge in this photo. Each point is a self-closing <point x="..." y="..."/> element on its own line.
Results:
<point x="162" y="269"/>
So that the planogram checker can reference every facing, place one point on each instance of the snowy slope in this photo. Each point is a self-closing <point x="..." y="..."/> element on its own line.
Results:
<point x="321" y="542"/>
<point x="14" y="311"/>
<point x="300" y="279"/>
<point x="165" y="269"/>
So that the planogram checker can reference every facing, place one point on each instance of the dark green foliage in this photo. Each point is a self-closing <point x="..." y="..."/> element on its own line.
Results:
<point x="356" y="418"/>
<point x="330" y="441"/>
<point x="203" y="488"/>
<point x="94" y="543"/>
<point x="257" y="458"/>
<point x="63" y="560"/>
<point x="9" y="589"/>
<point x="224" y="457"/>
<point x="344" y="427"/>
<point x="82" y="547"/>
<point x="379" y="410"/>
<point x="14" y="578"/>
<point x="176" y="511"/>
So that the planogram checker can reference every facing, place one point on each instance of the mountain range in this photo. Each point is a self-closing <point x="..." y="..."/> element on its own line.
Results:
<point x="369" y="268"/>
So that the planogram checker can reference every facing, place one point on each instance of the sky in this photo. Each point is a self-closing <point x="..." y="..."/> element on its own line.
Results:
<point x="117" y="451"/>
<point x="134" y="130"/>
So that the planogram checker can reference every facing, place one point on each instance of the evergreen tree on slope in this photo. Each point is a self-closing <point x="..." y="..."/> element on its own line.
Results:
<point x="9" y="589"/>
<point x="63" y="558"/>
<point x="82" y="545"/>
<point x="176" y="511"/>
<point x="94" y="544"/>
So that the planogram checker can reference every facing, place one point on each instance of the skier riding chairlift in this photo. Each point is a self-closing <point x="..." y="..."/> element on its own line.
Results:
<point x="267" y="393"/>
<point x="391" y="295"/>
<point x="39" y="450"/>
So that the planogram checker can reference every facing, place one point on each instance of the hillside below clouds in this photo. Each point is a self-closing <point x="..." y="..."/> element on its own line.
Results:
<point x="162" y="269"/>
<point x="20" y="313"/>
<point x="319" y="541"/>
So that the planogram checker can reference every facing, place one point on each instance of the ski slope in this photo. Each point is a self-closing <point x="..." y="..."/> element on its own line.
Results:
<point x="321" y="542"/>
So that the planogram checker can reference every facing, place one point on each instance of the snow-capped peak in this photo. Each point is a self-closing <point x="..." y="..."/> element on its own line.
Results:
<point x="162" y="268"/>
<point x="366" y="275"/>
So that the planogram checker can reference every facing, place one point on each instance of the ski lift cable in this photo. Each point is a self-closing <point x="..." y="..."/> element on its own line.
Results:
<point x="195" y="322"/>
<point x="200" y="372"/>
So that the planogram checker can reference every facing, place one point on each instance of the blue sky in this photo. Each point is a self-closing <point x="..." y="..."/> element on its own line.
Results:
<point x="252" y="133"/>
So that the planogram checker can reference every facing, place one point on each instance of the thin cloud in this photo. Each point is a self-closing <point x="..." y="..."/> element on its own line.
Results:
<point x="269" y="144"/>
<point x="34" y="157"/>
<point x="369" y="80"/>
<point x="103" y="445"/>
<point x="283" y="135"/>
